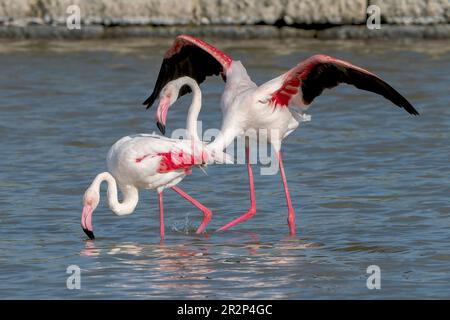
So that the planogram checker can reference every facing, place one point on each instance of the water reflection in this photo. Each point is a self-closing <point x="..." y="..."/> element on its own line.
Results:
<point x="89" y="249"/>
<point x="196" y="267"/>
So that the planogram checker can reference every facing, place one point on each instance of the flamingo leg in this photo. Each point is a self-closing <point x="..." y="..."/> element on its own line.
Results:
<point x="161" y="215"/>
<point x="251" y="212"/>
<point x="207" y="214"/>
<point x="291" y="215"/>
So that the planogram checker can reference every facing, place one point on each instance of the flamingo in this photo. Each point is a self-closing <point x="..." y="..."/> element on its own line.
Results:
<point x="151" y="161"/>
<point x="277" y="105"/>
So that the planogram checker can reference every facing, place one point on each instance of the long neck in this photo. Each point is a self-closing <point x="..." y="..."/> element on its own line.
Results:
<point x="194" y="109"/>
<point x="130" y="194"/>
<point x="223" y="139"/>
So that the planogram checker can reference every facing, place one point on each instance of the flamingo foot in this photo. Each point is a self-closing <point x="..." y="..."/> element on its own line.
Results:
<point x="291" y="222"/>
<point x="206" y="218"/>
<point x="250" y="213"/>
<point x="207" y="214"/>
<point x="161" y="217"/>
<point x="291" y="215"/>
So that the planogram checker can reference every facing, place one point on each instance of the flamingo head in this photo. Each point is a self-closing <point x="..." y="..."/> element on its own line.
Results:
<point x="90" y="203"/>
<point x="169" y="94"/>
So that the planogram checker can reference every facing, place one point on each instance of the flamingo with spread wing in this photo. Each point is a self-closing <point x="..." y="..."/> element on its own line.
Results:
<point x="276" y="106"/>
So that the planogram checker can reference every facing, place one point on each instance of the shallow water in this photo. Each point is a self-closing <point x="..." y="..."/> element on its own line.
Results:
<point x="370" y="184"/>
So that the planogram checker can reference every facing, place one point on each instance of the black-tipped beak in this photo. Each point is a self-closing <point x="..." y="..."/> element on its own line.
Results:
<point x="161" y="127"/>
<point x="89" y="233"/>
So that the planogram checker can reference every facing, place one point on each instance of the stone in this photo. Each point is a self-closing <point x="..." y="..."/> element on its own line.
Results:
<point x="324" y="19"/>
<point x="106" y="12"/>
<point x="176" y="12"/>
<point x="414" y="11"/>
<point x="325" y="12"/>
<point x="239" y="11"/>
<point x="15" y="10"/>
<point x="124" y="12"/>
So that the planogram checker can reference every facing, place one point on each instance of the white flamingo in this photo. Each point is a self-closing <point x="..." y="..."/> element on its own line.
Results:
<point x="276" y="106"/>
<point x="150" y="161"/>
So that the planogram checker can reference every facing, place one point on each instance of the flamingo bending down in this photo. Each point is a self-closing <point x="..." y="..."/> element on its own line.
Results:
<point x="150" y="161"/>
<point x="277" y="105"/>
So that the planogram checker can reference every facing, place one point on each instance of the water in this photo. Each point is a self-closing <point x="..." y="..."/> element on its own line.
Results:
<point x="370" y="184"/>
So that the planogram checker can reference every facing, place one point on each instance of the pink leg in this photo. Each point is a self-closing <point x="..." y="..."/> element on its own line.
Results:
<point x="161" y="216"/>
<point x="207" y="214"/>
<point x="291" y="215"/>
<point x="251" y="212"/>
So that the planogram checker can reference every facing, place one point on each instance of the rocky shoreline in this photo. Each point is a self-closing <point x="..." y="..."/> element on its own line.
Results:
<point x="231" y="32"/>
<point x="322" y="19"/>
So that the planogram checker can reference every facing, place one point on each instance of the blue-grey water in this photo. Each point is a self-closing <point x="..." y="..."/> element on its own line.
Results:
<point x="370" y="183"/>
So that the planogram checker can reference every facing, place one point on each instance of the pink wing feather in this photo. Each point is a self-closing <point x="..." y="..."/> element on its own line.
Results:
<point x="307" y="80"/>
<point x="190" y="57"/>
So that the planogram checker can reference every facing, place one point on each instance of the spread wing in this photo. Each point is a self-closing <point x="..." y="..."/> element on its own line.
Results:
<point x="190" y="57"/>
<point x="307" y="80"/>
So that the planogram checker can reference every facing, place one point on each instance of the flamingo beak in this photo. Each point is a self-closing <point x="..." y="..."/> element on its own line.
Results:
<point x="161" y="127"/>
<point x="86" y="221"/>
<point x="161" y="114"/>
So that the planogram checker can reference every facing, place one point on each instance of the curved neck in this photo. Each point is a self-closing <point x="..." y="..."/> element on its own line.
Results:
<point x="130" y="194"/>
<point x="194" y="108"/>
